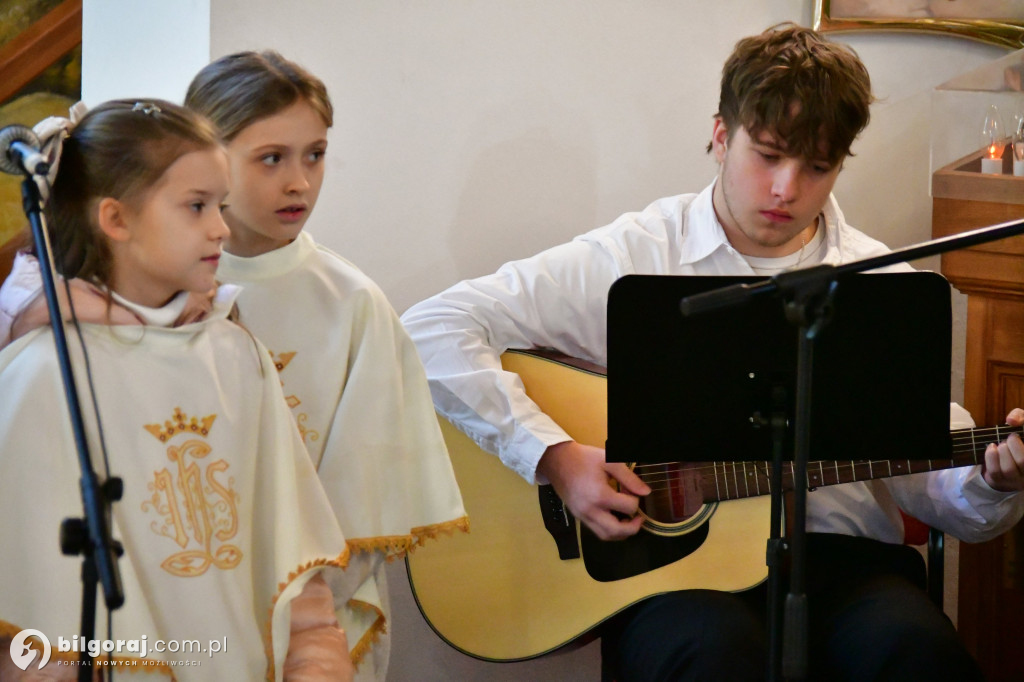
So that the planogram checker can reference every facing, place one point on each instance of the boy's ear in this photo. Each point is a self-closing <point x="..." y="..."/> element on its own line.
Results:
<point x="112" y="219"/>
<point x="719" y="138"/>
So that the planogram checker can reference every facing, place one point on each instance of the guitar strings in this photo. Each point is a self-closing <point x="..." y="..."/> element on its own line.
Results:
<point x="739" y="473"/>
<point x="965" y="442"/>
<point x="961" y="443"/>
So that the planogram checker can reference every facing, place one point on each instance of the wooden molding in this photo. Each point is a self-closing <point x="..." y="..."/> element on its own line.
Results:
<point x="994" y="269"/>
<point x="964" y="180"/>
<point x="39" y="46"/>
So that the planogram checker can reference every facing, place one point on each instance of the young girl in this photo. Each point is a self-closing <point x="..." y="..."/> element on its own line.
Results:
<point x="228" y="535"/>
<point x="351" y="375"/>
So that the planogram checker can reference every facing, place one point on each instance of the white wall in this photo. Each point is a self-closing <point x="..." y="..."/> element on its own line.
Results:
<point x="471" y="132"/>
<point x="142" y="49"/>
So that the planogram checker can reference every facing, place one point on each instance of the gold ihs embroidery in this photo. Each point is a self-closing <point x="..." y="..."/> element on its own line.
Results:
<point x="198" y="511"/>
<point x="307" y="434"/>
<point x="281" y="361"/>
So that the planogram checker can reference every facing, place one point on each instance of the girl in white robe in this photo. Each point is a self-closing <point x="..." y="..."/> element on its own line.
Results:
<point x="229" y="540"/>
<point x="351" y="375"/>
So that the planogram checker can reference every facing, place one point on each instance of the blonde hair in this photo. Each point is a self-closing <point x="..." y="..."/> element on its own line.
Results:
<point x="237" y="90"/>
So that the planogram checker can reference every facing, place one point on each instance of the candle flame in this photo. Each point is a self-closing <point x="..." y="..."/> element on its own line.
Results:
<point x="994" y="152"/>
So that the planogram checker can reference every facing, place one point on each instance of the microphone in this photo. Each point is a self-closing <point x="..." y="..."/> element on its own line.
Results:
<point x="19" y="152"/>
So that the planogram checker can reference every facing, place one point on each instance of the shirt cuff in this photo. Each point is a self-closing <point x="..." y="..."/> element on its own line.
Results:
<point x="976" y="488"/>
<point x="524" y="450"/>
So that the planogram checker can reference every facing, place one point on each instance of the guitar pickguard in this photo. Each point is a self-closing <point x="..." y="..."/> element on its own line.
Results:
<point x="643" y="552"/>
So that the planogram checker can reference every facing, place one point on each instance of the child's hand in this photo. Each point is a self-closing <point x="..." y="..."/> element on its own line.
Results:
<point x="197" y="308"/>
<point x="91" y="306"/>
<point x="318" y="648"/>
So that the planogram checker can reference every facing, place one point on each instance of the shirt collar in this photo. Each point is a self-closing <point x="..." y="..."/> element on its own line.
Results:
<point x="702" y="233"/>
<point x="274" y="263"/>
<point x="834" y="220"/>
<point x="223" y="300"/>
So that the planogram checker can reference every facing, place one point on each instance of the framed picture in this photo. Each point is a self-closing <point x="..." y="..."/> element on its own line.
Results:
<point x="993" y="21"/>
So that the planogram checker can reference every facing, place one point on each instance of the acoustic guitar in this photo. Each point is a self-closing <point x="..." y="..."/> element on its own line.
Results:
<point x="529" y="579"/>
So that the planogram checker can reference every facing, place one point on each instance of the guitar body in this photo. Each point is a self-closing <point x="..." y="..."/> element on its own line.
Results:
<point x="502" y="593"/>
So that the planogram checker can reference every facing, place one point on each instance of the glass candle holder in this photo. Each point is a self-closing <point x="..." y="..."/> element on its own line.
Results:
<point x="992" y="143"/>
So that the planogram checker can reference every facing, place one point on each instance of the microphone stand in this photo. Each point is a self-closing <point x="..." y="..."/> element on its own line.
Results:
<point x="807" y="295"/>
<point x="90" y="536"/>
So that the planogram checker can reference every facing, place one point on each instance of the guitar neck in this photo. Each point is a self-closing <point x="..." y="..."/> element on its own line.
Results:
<point x="734" y="480"/>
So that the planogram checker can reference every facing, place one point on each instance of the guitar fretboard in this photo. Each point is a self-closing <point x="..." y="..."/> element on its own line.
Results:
<point x="736" y="480"/>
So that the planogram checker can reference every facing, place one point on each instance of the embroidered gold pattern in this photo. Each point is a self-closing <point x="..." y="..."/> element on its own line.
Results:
<point x="181" y="422"/>
<point x="281" y="361"/>
<point x="196" y="508"/>
<point x="306" y="433"/>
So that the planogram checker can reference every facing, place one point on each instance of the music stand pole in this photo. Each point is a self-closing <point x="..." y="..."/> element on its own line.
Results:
<point x="89" y="536"/>
<point x="776" y="551"/>
<point x="810" y="309"/>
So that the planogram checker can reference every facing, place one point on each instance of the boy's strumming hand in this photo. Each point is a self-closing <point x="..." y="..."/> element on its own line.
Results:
<point x="580" y="476"/>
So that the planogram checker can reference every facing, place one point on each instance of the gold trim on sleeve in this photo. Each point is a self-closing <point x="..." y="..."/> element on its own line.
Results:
<point x="397" y="546"/>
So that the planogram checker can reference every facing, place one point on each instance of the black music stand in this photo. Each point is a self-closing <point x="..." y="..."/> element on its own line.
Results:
<point x="680" y="389"/>
<point x="722" y="386"/>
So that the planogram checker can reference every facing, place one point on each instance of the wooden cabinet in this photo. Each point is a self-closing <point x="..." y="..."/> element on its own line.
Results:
<point x="991" y="575"/>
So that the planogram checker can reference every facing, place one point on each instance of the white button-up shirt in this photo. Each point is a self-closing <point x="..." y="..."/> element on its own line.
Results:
<point x="558" y="299"/>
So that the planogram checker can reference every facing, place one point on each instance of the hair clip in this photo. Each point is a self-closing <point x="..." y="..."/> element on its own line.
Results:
<point x="147" y="108"/>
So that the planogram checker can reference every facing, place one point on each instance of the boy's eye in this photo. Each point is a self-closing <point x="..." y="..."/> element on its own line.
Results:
<point x="270" y="159"/>
<point x="223" y="207"/>
<point x="197" y="206"/>
<point x="317" y="155"/>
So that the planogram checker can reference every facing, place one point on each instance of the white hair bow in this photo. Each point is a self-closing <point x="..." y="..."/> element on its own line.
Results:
<point x="52" y="132"/>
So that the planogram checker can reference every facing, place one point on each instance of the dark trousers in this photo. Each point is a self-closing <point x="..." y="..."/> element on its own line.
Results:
<point x="869" y="619"/>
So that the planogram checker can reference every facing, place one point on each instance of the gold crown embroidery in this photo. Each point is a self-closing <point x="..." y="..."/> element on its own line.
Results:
<point x="181" y="422"/>
<point x="195" y="506"/>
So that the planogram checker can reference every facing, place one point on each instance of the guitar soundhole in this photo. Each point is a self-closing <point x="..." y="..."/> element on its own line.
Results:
<point x="676" y="504"/>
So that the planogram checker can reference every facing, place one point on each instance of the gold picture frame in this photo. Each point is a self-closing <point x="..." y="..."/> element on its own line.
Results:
<point x="1000" y="22"/>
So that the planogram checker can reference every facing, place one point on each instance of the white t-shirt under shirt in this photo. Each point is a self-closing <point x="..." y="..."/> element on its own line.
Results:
<point x="809" y="254"/>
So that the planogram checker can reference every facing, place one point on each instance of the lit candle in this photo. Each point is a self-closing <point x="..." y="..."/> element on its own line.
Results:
<point x="993" y="143"/>
<point x="992" y="162"/>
